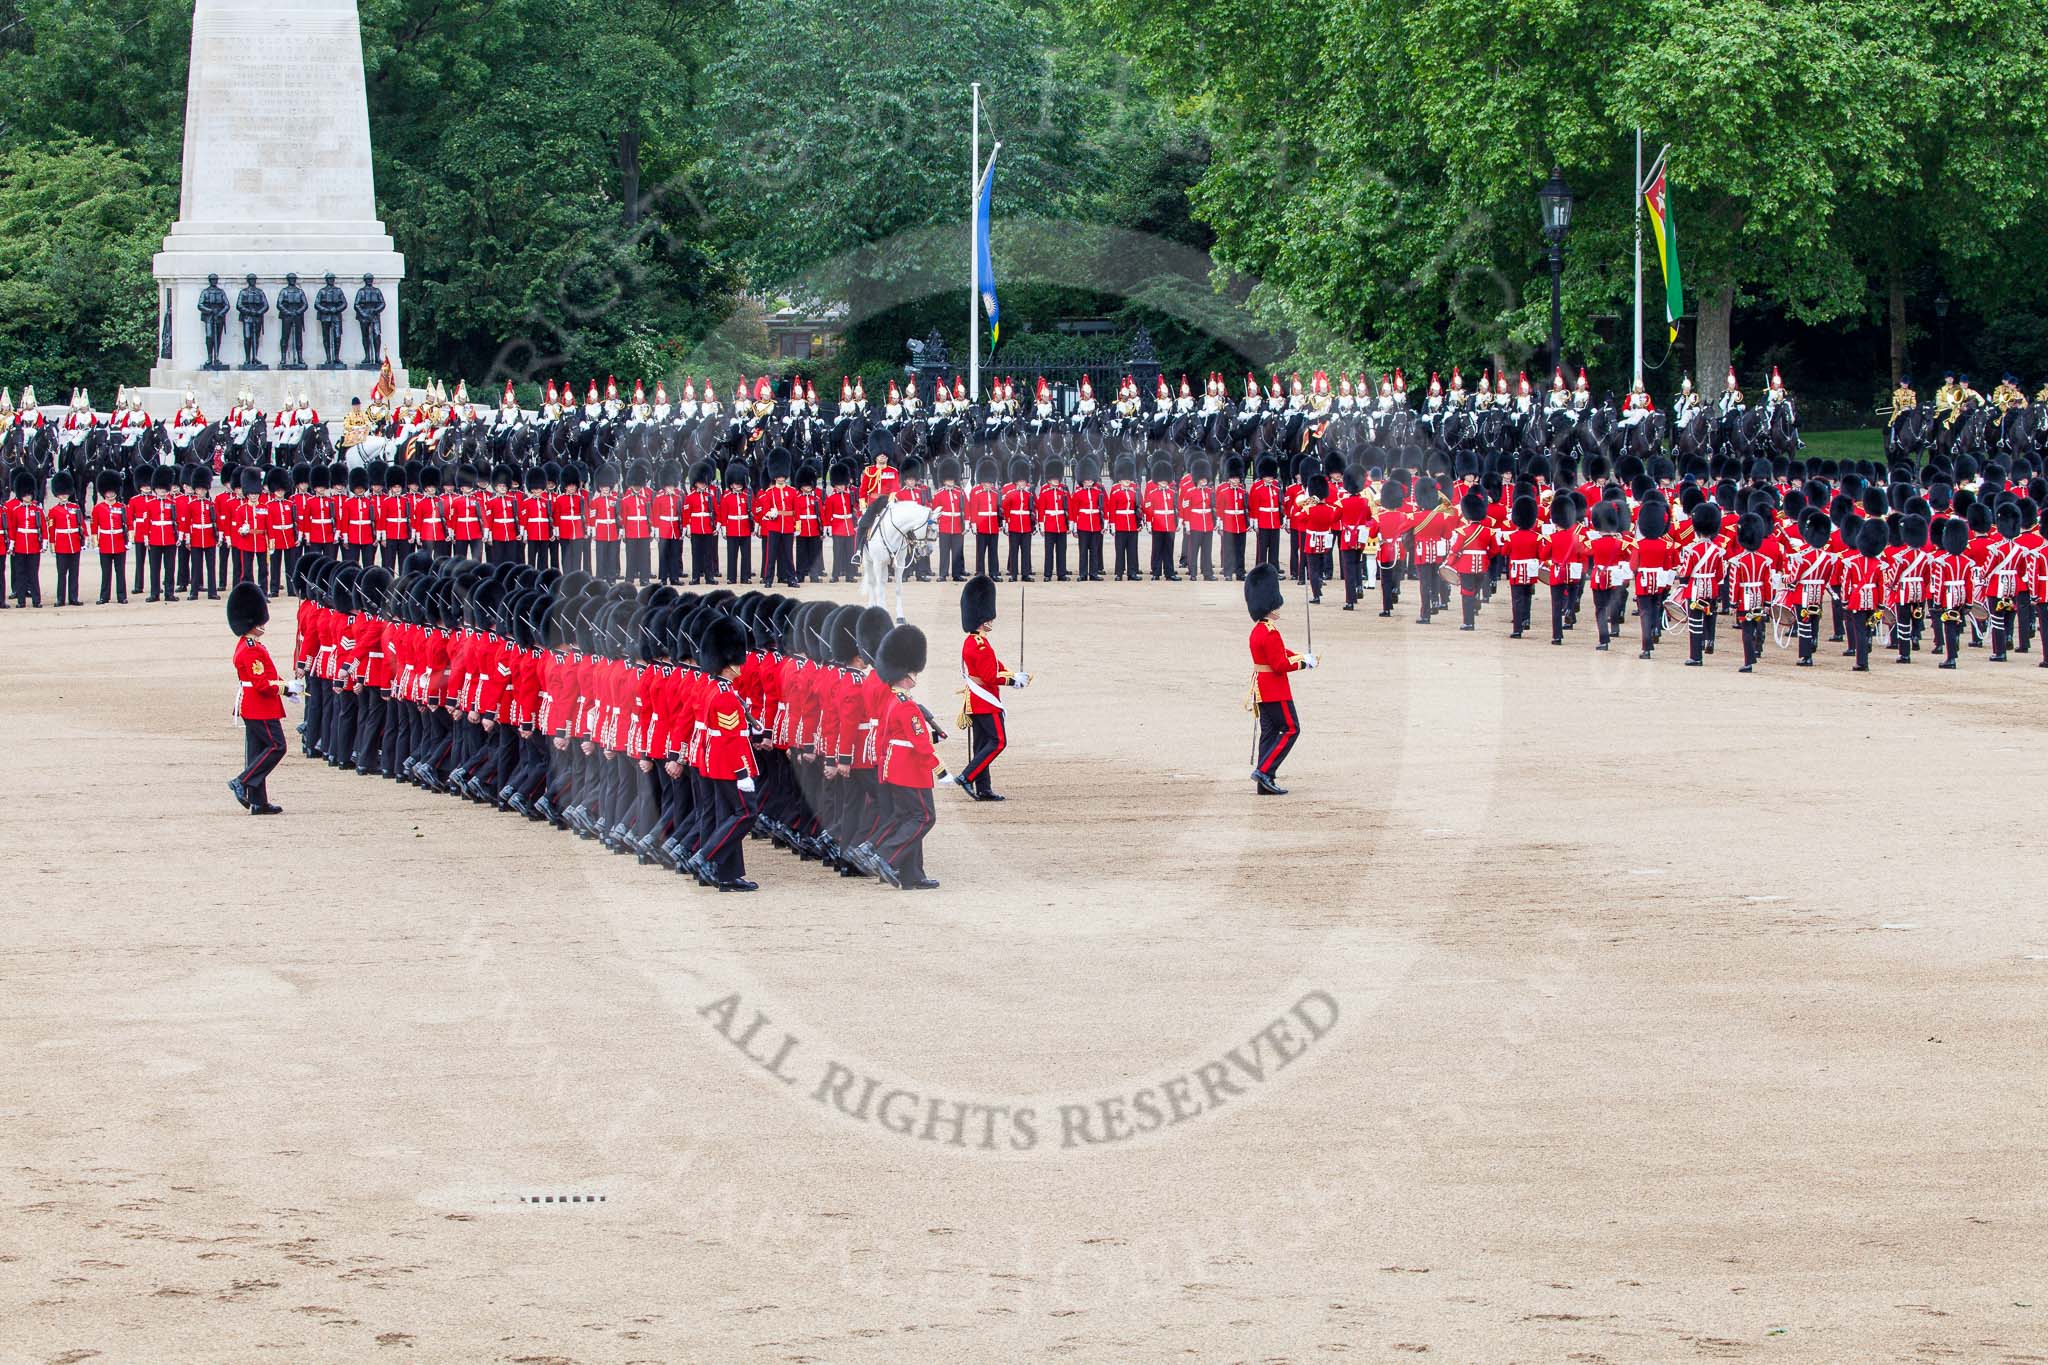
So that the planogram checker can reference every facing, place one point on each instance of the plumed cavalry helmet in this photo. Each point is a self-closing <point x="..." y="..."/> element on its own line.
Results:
<point x="1262" y="592"/>
<point x="248" y="608"/>
<point x="977" y="603"/>
<point x="903" y="652"/>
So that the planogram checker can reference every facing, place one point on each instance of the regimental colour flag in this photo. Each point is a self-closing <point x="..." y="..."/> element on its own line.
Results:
<point x="984" y="266"/>
<point x="1666" y="232"/>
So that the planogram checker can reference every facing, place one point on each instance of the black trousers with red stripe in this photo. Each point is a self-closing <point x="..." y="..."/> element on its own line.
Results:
<point x="911" y="816"/>
<point x="263" y="744"/>
<point x="1279" y="727"/>
<point x="732" y="817"/>
<point x="991" y="737"/>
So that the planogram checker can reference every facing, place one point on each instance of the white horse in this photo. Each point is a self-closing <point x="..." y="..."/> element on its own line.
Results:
<point x="898" y="531"/>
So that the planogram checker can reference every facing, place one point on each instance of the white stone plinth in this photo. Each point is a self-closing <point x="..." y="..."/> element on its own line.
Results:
<point x="277" y="179"/>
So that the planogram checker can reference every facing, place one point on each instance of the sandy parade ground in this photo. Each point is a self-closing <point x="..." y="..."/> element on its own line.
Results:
<point x="1572" y="1008"/>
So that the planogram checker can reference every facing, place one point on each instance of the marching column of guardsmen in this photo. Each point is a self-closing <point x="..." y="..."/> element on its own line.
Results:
<point x="665" y="725"/>
<point x="1879" y="555"/>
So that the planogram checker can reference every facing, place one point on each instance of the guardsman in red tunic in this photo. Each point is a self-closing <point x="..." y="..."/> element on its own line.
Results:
<point x="1862" y="586"/>
<point x="1701" y="566"/>
<point x="571" y="521"/>
<point x="110" y="536"/>
<point x="65" y="527"/>
<point x="280" y="530"/>
<point x="1650" y="563"/>
<point x="841" y="511"/>
<point x="603" y="512"/>
<point x="1952" y="587"/>
<point x="1749" y="587"/>
<point x="199" y="531"/>
<point x="985" y="518"/>
<point x="259" y="700"/>
<point x="909" y="766"/>
<point x="1162" y="518"/>
<point x="736" y="521"/>
<point x="1564" y="554"/>
<point x="1019" y="504"/>
<point x="1197" y="522"/>
<point x="537" y="519"/>
<point x="636" y="523"/>
<point x="313" y="508"/>
<point x="1391" y="527"/>
<point x="1263" y="505"/>
<point x="700" y="520"/>
<point x="1279" y="723"/>
<point x="1122" y="513"/>
<point x="501" y="517"/>
<point x="1607" y="555"/>
<point x="1089" y="508"/>
<point x="1232" y="516"/>
<point x="1471" y="549"/>
<point x="984" y="678"/>
<point x="1809" y="573"/>
<point x="466" y="515"/>
<point x="949" y="502"/>
<point x="725" y="760"/>
<point x="668" y="520"/>
<point x="356" y="520"/>
<point x="808" y="526"/>
<point x="1054" y="518"/>
<point x="429" y="515"/>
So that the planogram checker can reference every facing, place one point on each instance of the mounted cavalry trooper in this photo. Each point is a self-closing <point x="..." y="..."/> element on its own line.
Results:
<point x="187" y="422"/>
<point x="1730" y="402"/>
<point x="663" y="410"/>
<point x="509" y="418"/>
<point x="1686" y="404"/>
<point x="128" y="422"/>
<point x="1638" y="407"/>
<point x="1582" y="393"/>
<point x="77" y="427"/>
<point x="1558" y="397"/>
<point x="1433" y="403"/>
<point x="1775" y="394"/>
<point x="1458" y="400"/>
<point x="1525" y="395"/>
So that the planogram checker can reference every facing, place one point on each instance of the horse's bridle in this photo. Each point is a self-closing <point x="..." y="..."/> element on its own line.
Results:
<point x="925" y="533"/>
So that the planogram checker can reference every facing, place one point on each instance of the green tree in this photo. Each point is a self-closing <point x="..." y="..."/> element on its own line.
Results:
<point x="78" y="221"/>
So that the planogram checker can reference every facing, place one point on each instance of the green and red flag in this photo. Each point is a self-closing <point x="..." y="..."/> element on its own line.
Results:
<point x="1666" y="233"/>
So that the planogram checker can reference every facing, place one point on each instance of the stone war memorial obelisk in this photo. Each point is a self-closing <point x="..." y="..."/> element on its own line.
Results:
<point x="277" y="183"/>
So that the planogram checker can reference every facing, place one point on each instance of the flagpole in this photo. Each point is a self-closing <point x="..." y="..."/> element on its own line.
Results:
<point x="973" y="254"/>
<point x="1639" y="256"/>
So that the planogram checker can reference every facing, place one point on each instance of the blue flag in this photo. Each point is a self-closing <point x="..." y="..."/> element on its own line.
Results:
<point x="984" y="267"/>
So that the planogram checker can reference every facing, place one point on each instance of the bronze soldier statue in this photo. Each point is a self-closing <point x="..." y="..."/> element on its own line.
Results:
<point x="291" y="325"/>
<point x="213" y="316"/>
<point x="250" y="306"/>
<point x="330" y="305"/>
<point x="370" y="318"/>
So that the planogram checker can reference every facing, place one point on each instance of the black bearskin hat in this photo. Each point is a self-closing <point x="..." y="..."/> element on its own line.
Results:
<point x="721" y="644"/>
<point x="874" y="623"/>
<point x="248" y="608"/>
<point x="1871" y="538"/>
<point x="977" y="603"/>
<point x="1749" y="532"/>
<point x="1262" y="592"/>
<point x="1815" y="528"/>
<point x="1955" y="536"/>
<point x="902" y="653"/>
<point x="1653" y="519"/>
<point x="1319" y="487"/>
<point x="1522" y="513"/>
<point x="1706" y="520"/>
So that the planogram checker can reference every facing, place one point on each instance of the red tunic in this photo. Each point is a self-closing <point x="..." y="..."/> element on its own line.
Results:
<point x="1272" y="663"/>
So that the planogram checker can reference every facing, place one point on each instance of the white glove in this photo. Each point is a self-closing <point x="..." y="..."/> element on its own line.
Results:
<point x="1308" y="661"/>
<point x="746" y="784"/>
<point x="295" y="689"/>
<point x="1020" y="680"/>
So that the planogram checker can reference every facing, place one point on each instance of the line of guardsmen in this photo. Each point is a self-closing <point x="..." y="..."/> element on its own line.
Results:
<point x="1884" y="555"/>
<point x="666" y="725"/>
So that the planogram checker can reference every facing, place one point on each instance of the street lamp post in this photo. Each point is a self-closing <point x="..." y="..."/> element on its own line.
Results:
<point x="1556" y="199"/>
<point x="1941" y="329"/>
